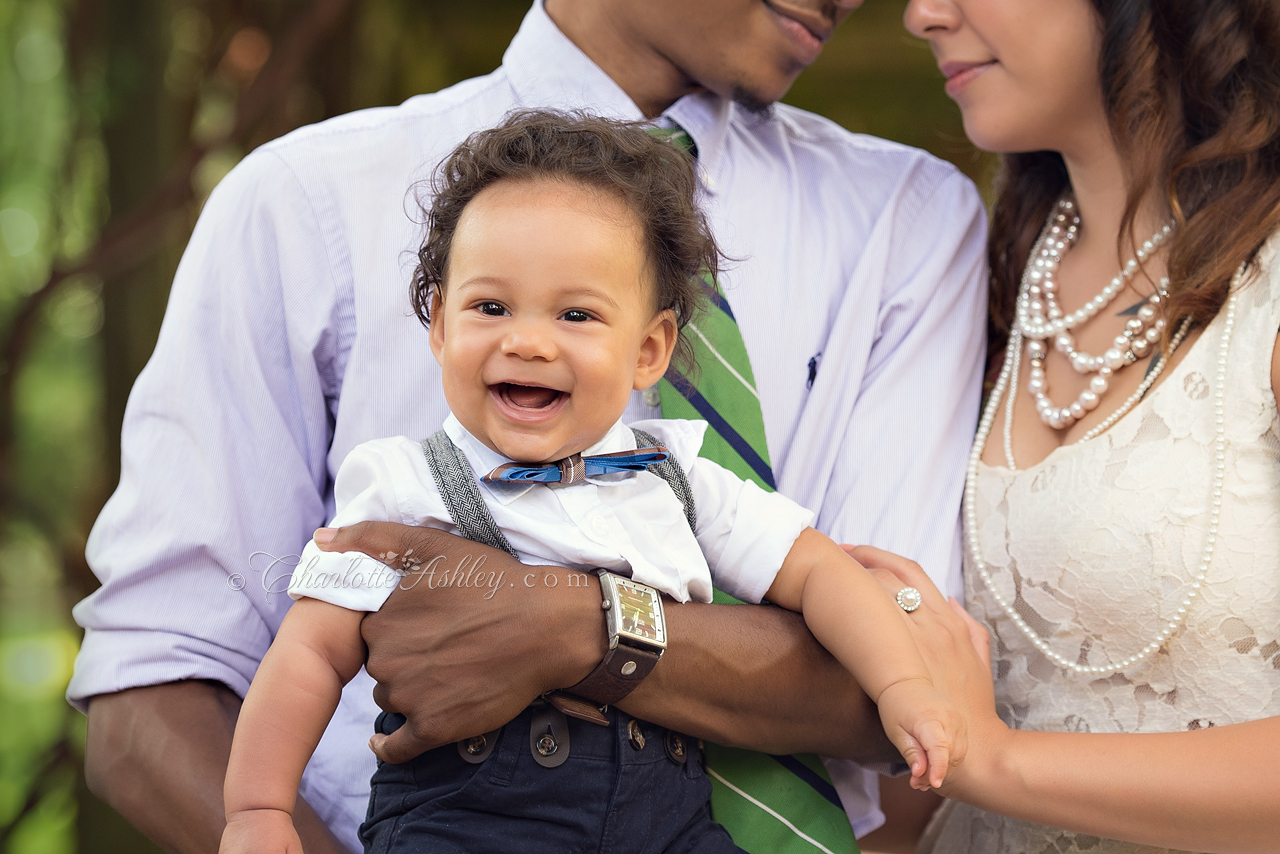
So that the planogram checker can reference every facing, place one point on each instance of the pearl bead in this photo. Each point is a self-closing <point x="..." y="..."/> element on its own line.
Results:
<point x="1114" y="358"/>
<point x="1134" y="325"/>
<point x="1120" y="342"/>
<point x="1036" y="350"/>
<point x="1089" y="400"/>
<point x="1063" y="343"/>
<point x="1009" y="379"/>
<point x="1140" y="346"/>
<point x="1152" y="335"/>
<point x="1099" y="385"/>
<point x="1146" y="314"/>
<point x="1077" y="411"/>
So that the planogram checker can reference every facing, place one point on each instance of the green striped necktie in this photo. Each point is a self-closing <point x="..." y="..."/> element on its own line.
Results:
<point x="769" y="804"/>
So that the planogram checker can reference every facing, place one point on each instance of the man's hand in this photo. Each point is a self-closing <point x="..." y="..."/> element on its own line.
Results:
<point x="461" y="657"/>
<point x="470" y="636"/>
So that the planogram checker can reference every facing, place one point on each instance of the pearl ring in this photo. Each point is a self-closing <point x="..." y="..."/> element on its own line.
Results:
<point x="909" y="599"/>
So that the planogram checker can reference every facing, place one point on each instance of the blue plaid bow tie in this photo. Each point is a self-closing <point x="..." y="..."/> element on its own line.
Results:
<point x="577" y="467"/>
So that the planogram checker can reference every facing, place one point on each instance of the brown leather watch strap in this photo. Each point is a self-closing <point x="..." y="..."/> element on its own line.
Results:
<point x="613" y="679"/>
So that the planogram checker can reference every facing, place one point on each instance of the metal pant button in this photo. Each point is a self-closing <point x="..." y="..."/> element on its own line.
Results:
<point x="549" y="737"/>
<point x="676" y="748"/>
<point x="634" y="735"/>
<point x="478" y="748"/>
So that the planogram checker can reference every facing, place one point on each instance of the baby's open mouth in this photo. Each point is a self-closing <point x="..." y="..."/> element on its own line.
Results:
<point x="527" y="396"/>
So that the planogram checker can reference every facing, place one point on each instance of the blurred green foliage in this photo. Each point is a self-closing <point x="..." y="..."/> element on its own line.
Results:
<point x="100" y="100"/>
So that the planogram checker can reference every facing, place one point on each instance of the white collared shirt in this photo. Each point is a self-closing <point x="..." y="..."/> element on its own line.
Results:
<point x="631" y="523"/>
<point x="289" y="340"/>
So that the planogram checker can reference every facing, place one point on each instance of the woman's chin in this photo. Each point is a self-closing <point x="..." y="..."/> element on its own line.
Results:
<point x="995" y="135"/>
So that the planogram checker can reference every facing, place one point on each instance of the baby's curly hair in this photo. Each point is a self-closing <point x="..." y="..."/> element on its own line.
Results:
<point x="654" y="178"/>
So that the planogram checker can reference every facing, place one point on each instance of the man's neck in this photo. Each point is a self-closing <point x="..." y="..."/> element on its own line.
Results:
<point x="648" y="78"/>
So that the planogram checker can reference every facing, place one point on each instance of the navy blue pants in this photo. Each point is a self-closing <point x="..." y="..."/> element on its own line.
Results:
<point x="608" y="796"/>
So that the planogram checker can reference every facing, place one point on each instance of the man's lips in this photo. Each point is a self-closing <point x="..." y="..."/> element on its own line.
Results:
<point x="806" y="30"/>
<point x="527" y="403"/>
<point x="959" y="74"/>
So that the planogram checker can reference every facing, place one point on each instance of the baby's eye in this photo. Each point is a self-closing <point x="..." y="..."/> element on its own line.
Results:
<point x="492" y="309"/>
<point x="576" y="315"/>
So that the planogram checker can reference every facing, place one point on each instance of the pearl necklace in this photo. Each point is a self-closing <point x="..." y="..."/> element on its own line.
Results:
<point x="1039" y="317"/>
<point x="1215" y="502"/>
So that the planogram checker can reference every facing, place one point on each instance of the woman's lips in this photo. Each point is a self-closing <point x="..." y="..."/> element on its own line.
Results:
<point x="527" y="404"/>
<point x="806" y="41"/>
<point x="961" y="74"/>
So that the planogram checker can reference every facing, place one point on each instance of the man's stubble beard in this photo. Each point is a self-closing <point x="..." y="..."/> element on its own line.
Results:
<point x="751" y="102"/>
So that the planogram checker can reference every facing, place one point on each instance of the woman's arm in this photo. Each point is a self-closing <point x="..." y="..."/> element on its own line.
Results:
<point x="1210" y="790"/>
<point x="317" y="651"/>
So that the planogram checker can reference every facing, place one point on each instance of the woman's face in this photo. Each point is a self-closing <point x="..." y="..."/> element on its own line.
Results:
<point x="1024" y="72"/>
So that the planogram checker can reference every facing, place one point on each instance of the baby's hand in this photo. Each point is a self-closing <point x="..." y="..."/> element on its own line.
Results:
<point x="260" y="832"/>
<point x="926" y="728"/>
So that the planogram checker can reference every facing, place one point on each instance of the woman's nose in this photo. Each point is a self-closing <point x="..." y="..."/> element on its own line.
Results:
<point x="927" y="18"/>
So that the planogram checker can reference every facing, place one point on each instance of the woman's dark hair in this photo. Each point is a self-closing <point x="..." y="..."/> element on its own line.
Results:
<point x="1192" y="94"/>
<point x="653" y="177"/>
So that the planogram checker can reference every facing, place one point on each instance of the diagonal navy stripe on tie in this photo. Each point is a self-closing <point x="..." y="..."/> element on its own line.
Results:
<point x="813" y="778"/>
<point x="681" y="384"/>
<point x="716" y="298"/>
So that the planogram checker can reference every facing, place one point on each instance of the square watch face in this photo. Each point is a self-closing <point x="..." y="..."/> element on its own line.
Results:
<point x="639" y="613"/>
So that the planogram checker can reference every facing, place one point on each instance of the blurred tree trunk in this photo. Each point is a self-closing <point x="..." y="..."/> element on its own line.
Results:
<point x="142" y="143"/>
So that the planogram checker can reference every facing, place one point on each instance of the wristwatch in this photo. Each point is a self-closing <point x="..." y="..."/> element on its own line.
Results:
<point x="637" y="637"/>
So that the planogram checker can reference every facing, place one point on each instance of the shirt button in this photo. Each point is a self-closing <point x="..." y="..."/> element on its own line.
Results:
<point x="601" y="525"/>
<point x="652" y="397"/>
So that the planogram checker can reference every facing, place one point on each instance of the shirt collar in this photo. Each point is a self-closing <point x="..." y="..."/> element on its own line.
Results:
<point x="546" y="69"/>
<point x="484" y="459"/>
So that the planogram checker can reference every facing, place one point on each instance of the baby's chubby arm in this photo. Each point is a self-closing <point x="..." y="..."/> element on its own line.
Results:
<point x="294" y="694"/>
<point x="850" y="614"/>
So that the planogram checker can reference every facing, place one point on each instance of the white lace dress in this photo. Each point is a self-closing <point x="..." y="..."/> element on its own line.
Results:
<point x="1095" y="546"/>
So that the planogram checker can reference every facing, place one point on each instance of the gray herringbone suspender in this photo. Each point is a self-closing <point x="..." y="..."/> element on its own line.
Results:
<point x="457" y="484"/>
<point x="671" y="472"/>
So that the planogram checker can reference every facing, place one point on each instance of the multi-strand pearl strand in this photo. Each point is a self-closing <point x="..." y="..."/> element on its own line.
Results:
<point x="1215" y="503"/>
<point x="1040" y="317"/>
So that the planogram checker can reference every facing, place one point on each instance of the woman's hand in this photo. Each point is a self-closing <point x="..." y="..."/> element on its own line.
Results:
<point x="957" y="651"/>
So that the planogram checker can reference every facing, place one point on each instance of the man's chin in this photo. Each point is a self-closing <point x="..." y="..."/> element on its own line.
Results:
<point x="753" y="102"/>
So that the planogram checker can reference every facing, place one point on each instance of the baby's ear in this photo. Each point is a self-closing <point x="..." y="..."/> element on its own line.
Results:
<point x="656" y="348"/>
<point x="435" y="329"/>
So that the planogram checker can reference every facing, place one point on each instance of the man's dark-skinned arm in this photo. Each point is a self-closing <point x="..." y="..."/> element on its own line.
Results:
<point x="158" y="756"/>
<point x="458" y="661"/>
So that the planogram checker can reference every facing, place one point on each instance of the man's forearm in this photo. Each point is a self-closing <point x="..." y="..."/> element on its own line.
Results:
<point x="158" y="756"/>
<point x="751" y="676"/>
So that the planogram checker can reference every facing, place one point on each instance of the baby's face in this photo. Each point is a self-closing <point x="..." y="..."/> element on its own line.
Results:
<point x="547" y="322"/>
